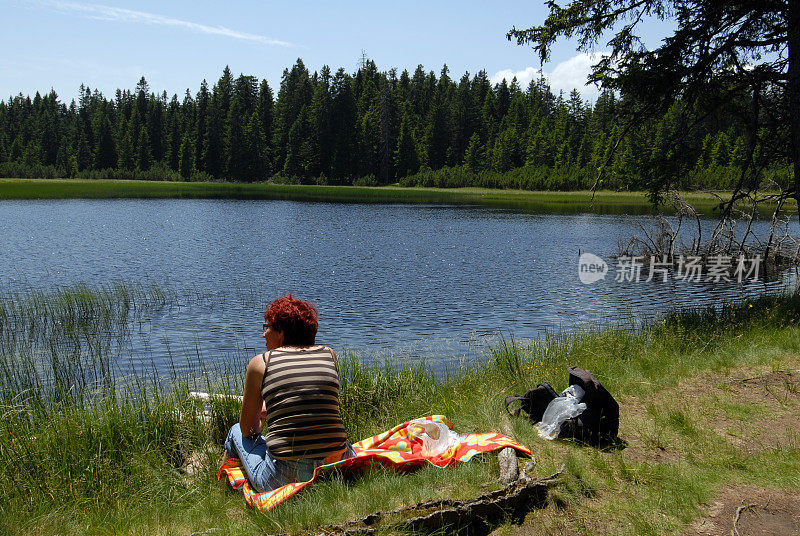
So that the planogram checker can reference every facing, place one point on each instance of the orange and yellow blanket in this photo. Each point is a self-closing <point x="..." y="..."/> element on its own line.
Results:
<point x="393" y="448"/>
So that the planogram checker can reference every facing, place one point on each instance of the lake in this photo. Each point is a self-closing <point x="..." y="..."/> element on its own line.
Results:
<point x="430" y="282"/>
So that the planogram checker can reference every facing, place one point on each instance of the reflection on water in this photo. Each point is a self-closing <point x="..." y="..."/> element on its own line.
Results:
<point x="391" y="281"/>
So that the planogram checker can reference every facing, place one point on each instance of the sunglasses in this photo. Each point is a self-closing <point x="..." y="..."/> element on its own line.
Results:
<point x="265" y="327"/>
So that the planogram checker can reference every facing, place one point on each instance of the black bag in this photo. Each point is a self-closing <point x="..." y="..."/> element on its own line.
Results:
<point x="597" y="425"/>
<point x="599" y="422"/>
<point x="533" y="402"/>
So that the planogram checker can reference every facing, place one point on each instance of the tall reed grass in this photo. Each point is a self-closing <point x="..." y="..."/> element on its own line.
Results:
<point x="56" y="345"/>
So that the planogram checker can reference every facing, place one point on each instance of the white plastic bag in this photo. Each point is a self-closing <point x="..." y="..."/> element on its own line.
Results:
<point x="436" y="437"/>
<point x="565" y="406"/>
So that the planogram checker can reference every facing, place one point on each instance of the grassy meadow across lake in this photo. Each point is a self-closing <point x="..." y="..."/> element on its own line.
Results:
<point x="708" y="399"/>
<point x="546" y="202"/>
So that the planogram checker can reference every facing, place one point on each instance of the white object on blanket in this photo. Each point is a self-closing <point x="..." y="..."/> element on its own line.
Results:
<point x="565" y="406"/>
<point x="437" y="438"/>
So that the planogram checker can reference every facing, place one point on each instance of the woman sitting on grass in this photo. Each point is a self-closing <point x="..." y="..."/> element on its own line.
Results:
<point x="294" y="387"/>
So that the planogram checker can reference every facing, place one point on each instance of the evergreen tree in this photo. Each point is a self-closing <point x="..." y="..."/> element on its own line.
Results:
<point x="16" y="149"/>
<point x="106" y="155"/>
<point x="188" y="111"/>
<point x="474" y="157"/>
<point x="298" y="146"/>
<point x="48" y="140"/>
<point x="563" y="156"/>
<point x="143" y="157"/>
<point x="719" y="152"/>
<point x="243" y="105"/>
<point x="213" y="154"/>
<point x="265" y="115"/>
<point x="175" y="135"/>
<point x="419" y="97"/>
<point x="487" y="127"/>
<point x="186" y="157"/>
<point x="386" y="113"/>
<point x="142" y="91"/>
<point x="368" y="141"/>
<point x="343" y="112"/>
<point x="437" y="135"/>
<point x="293" y="96"/>
<point x="253" y="167"/>
<point x="503" y="100"/>
<point x="201" y="125"/>
<point x="463" y="121"/>
<point x="127" y="154"/>
<point x="83" y="152"/>
<point x="406" y="161"/>
<point x="224" y="91"/>
<point x="155" y="129"/>
<point x="235" y="142"/>
<point x="322" y="126"/>
<point x="540" y="148"/>
<point x="32" y="155"/>
<point x="506" y="151"/>
<point x="738" y="151"/>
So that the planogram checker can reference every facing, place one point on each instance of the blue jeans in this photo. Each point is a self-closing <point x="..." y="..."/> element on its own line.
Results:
<point x="264" y="471"/>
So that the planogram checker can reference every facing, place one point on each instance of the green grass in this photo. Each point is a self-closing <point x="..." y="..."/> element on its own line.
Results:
<point x="605" y="202"/>
<point x="107" y="456"/>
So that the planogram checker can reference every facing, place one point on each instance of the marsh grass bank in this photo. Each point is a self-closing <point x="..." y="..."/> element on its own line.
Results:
<point x="111" y="456"/>
<point x="605" y="202"/>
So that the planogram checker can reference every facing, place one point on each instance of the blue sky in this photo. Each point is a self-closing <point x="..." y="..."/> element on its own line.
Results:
<point x="175" y="45"/>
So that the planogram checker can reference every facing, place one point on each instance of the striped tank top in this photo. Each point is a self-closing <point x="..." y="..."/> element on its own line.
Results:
<point x="301" y="396"/>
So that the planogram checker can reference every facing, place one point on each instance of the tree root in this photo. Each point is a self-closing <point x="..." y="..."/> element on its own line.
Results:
<point x="472" y="517"/>
<point x="739" y="510"/>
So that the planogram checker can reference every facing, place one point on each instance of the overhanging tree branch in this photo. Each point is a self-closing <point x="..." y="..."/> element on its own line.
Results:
<point x="720" y="52"/>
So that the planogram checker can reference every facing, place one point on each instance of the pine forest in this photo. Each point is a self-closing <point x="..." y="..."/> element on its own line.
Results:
<point x="366" y="128"/>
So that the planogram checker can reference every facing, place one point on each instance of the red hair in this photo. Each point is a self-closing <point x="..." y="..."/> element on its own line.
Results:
<point x="297" y="319"/>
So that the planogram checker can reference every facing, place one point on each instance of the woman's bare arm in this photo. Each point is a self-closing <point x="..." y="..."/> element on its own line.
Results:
<point x="251" y="419"/>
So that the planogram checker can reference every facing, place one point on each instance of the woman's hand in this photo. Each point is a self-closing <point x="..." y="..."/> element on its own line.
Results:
<point x="263" y="416"/>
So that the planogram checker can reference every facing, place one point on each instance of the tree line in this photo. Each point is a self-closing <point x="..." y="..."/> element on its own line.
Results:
<point x="368" y="127"/>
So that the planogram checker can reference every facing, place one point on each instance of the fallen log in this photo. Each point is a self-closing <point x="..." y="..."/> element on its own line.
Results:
<point x="509" y="467"/>
<point x="471" y="517"/>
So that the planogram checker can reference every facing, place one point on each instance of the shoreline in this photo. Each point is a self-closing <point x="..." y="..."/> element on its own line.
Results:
<point x="546" y="202"/>
<point x="689" y="386"/>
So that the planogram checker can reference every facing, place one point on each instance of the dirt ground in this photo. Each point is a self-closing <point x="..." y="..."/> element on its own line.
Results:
<point x="770" y="399"/>
<point x="777" y="395"/>
<point x="755" y="410"/>
<point x="750" y="511"/>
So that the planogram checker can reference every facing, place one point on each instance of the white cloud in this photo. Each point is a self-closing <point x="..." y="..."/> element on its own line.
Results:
<point x="524" y="77"/>
<point x="566" y="76"/>
<point x="572" y="73"/>
<point x="107" y="13"/>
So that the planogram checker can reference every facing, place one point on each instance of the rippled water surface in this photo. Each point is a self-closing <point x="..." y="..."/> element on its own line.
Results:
<point x="404" y="281"/>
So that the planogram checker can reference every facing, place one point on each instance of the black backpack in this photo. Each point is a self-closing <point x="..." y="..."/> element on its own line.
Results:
<point x="534" y="401"/>
<point x="598" y="425"/>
